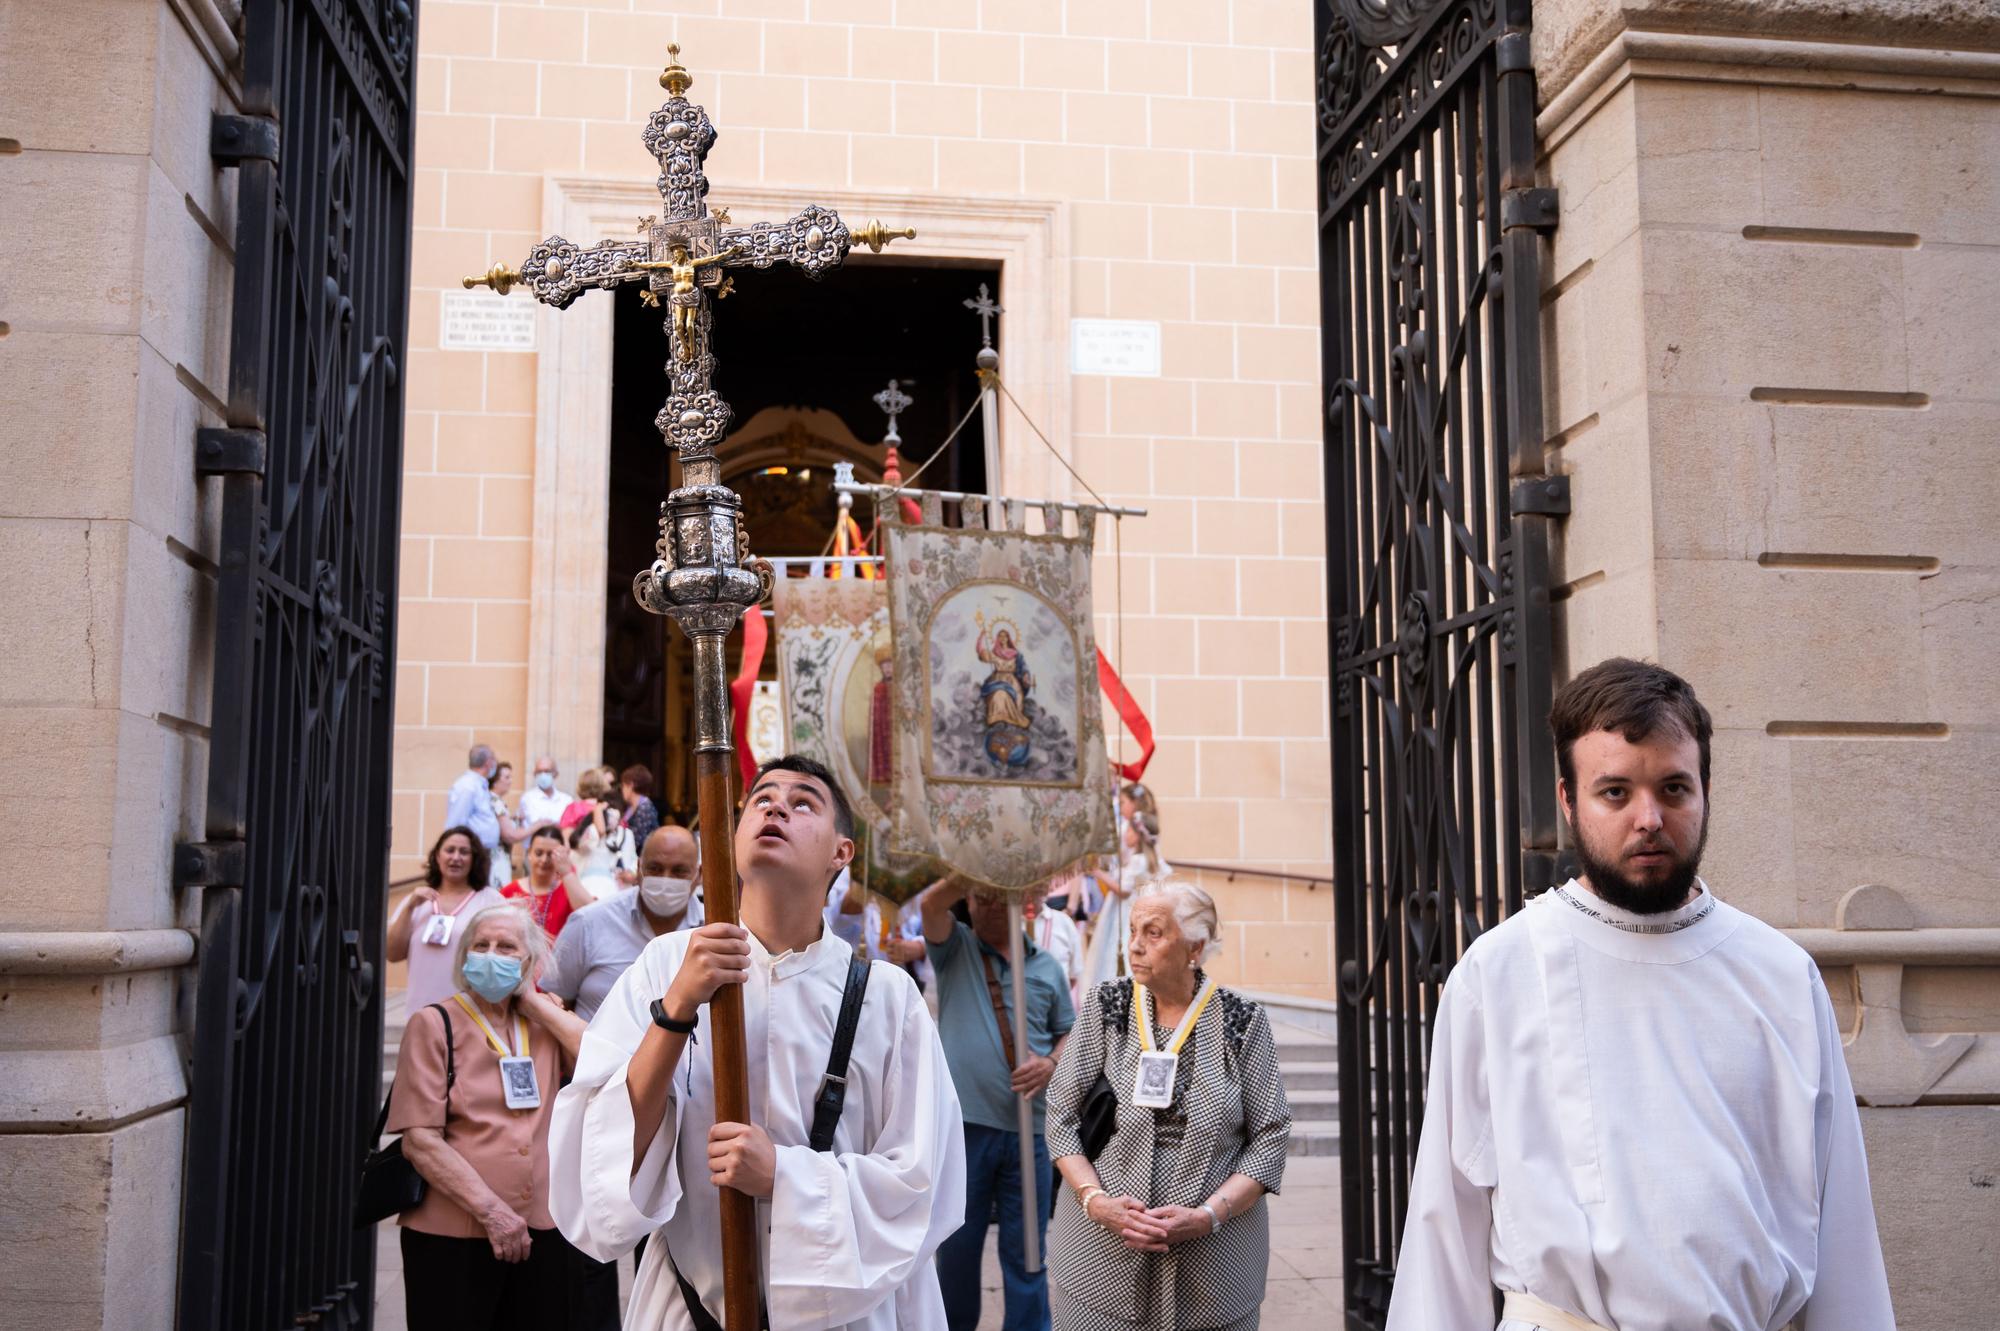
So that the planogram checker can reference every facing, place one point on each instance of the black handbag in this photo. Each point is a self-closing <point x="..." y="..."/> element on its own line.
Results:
<point x="1099" y="1118"/>
<point x="390" y="1184"/>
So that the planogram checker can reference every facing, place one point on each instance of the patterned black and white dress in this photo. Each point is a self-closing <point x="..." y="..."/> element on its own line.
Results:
<point x="1229" y="1116"/>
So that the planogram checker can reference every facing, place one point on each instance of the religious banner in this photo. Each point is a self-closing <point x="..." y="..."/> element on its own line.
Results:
<point x="834" y="665"/>
<point x="1000" y="767"/>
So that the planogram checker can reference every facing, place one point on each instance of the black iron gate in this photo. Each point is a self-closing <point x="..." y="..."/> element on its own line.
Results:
<point x="288" y="1018"/>
<point x="1438" y="524"/>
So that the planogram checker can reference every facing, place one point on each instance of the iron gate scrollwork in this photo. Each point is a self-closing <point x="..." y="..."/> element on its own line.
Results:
<point x="288" y="1019"/>
<point x="1438" y="527"/>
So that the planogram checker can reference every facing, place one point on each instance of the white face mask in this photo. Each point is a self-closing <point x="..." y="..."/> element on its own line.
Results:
<point x="666" y="897"/>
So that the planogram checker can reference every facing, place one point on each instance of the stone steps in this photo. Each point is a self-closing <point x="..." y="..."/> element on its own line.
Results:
<point x="1306" y="1061"/>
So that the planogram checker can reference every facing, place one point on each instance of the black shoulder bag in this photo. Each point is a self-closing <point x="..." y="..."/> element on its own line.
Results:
<point x="1098" y="1118"/>
<point x="826" y="1117"/>
<point x="390" y="1184"/>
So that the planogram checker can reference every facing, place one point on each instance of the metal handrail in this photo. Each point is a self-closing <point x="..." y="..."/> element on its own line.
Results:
<point x="1311" y="880"/>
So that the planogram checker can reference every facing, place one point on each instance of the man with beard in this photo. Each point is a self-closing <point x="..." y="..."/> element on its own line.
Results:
<point x="1639" y="1114"/>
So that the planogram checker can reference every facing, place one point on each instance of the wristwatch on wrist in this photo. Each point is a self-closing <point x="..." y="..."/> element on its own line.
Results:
<point x="667" y="1023"/>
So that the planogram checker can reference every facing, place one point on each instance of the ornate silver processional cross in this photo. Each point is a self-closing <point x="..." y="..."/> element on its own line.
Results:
<point x="704" y="576"/>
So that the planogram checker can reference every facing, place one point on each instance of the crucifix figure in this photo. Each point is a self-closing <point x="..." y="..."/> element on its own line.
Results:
<point x="704" y="577"/>
<point x="987" y="309"/>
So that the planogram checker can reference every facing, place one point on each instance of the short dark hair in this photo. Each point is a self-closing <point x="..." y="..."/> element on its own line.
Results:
<point x="637" y="777"/>
<point x="843" y="813"/>
<point x="1634" y="698"/>
<point x="482" y="859"/>
<point x="549" y="830"/>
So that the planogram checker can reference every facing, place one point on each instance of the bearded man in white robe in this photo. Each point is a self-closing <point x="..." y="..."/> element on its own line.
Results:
<point x="1639" y="1115"/>
<point x="847" y="1235"/>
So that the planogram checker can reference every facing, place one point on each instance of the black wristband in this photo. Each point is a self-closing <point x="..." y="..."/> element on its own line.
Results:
<point x="667" y="1023"/>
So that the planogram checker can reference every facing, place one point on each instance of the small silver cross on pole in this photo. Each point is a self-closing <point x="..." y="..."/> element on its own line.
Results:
<point x="987" y="309"/>
<point x="894" y="402"/>
<point x="704" y="576"/>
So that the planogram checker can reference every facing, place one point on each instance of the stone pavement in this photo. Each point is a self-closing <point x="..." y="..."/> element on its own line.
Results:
<point x="1303" y="1294"/>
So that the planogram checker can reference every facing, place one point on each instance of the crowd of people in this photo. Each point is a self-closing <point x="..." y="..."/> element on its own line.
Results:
<point x="1638" y="1112"/>
<point x="554" y="1089"/>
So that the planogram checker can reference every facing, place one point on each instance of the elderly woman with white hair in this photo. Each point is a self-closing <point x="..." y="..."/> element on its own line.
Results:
<point x="1168" y="1120"/>
<point x="476" y="1082"/>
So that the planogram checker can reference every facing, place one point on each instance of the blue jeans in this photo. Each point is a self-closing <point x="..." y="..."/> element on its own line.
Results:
<point x="993" y="1172"/>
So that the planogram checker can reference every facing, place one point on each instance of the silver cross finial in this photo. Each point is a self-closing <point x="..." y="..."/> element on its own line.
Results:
<point x="987" y="310"/>
<point x="894" y="402"/>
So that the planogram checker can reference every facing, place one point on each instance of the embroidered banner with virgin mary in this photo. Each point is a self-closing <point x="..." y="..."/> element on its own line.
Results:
<point x="833" y="669"/>
<point x="1000" y="768"/>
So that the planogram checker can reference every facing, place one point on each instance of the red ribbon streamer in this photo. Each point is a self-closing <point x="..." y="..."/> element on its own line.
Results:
<point x="1135" y="720"/>
<point x="755" y="635"/>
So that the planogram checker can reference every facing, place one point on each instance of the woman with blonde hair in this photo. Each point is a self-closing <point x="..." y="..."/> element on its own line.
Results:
<point x="476" y="1082"/>
<point x="1169" y="1156"/>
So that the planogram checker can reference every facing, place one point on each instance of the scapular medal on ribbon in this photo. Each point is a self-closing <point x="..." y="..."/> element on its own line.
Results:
<point x="517" y="1071"/>
<point x="1153" y="1088"/>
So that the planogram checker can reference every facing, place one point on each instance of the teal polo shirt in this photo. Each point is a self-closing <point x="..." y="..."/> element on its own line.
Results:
<point x="971" y="1035"/>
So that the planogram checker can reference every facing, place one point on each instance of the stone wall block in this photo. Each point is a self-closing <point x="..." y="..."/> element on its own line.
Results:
<point x="60" y="1012"/>
<point x="167" y="498"/>
<point x="103" y="46"/>
<point x="71" y="213"/>
<point x="1893" y="811"/>
<point x="1954" y="339"/>
<point x="1614" y="617"/>
<point x="93" y="1228"/>
<point x="60" y="623"/>
<point x="1735" y="479"/>
<point x="1750" y="793"/>
<point x="1612" y="499"/>
<point x="1241" y="768"/>
<point x="1594" y="339"/>
<point x="168" y="633"/>
<point x="76" y="463"/>
<point x="1594" y="170"/>
<point x="1288" y="954"/>
<point x="1699" y="153"/>
<point x="1937" y="1206"/>
<point x="1725" y="315"/>
<point x="1820" y="638"/>
<point x="1932" y="164"/>
<point x="185" y="97"/>
<point x="1287" y="830"/>
<point x="1960" y="638"/>
<point x="188" y="279"/>
<point x="146" y="813"/>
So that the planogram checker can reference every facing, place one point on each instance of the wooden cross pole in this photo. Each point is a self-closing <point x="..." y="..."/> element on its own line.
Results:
<point x="704" y="577"/>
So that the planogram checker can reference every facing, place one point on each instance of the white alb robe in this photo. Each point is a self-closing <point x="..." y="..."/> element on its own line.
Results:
<point x="1644" y="1129"/>
<point x="847" y="1235"/>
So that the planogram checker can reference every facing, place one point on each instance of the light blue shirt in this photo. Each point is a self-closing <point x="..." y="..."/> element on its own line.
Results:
<point x="599" y="944"/>
<point x="470" y="804"/>
<point x="972" y="1046"/>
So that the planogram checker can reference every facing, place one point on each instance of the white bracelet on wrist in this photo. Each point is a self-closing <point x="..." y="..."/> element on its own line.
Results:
<point x="1214" y="1220"/>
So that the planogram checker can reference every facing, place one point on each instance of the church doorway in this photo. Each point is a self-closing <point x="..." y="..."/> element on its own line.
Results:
<point x="800" y="362"/>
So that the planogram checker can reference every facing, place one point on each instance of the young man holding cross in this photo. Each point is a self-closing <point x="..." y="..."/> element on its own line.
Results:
<point x="849" y="1221"/>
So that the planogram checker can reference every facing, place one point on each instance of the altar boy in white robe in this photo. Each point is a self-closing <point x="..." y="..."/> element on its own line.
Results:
<point x="1639" y="1115"/>
<point x="634" y="1149"/>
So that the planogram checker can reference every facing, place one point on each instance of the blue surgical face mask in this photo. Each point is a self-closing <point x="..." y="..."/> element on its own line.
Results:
<point x="545" y="781"/>
<point x="491" y="975"/>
